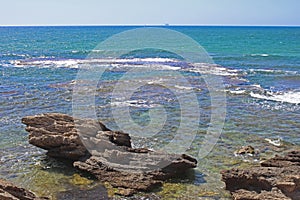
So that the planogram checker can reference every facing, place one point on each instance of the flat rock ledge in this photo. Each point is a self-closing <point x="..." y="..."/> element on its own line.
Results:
<point x="276" y="179"/>
<point x="9" y="191"/>
<point x="106" y="154"/>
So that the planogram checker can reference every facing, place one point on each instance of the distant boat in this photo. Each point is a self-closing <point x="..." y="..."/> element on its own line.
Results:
<point x="167" y="25"/>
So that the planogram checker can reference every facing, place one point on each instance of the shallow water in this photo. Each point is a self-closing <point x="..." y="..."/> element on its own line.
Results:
<point x="38" y="68"/>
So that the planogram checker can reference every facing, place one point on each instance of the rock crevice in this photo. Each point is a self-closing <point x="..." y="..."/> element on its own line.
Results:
<point x="106" y="154"/>
<point x="277" y="179"/>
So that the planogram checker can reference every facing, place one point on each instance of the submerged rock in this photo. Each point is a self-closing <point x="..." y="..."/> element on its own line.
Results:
<point x="276" y="178"/>
<point x="106" y="154"/>
<point x="97" y="193"/>
<point x="9" y="191"/>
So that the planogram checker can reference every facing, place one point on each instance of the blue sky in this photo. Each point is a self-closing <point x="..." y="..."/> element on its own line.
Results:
<point x="201" y="12"/>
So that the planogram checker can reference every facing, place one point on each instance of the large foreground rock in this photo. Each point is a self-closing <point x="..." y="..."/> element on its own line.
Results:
<point x="9" y="191"/>
<point x="106" y="154"/>
<point x="276" y="179"/>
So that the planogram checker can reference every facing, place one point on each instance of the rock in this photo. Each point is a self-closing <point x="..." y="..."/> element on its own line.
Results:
<point x="276" y="178"/>
<point x="96" y="193"/>
<point x="290" y="159"/>
<point x="274" y="194"/>
<point x="106" y="154"/>
<point x="57" y="133"/>
<point x="245" y="150"/>
<point x="132" y="181"/>
<point x="8" y="191"/>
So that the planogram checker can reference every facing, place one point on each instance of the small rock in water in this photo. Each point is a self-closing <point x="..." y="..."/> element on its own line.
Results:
<point x="245" y="150"/>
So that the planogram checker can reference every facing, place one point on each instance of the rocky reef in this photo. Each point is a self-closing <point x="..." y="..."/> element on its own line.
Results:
<point x="106" y="154"/>
<point x="277" y="179"/>
<point x="9" y="191"/>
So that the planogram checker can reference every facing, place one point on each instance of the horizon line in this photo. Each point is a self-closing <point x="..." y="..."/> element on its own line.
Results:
<point x="165" y="25"/>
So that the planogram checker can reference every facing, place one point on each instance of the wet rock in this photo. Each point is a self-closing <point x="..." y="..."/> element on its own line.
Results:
<point x="130" y="181"/>
<point x="245" y="150"/>
<point x="96" y="193"/>
<point x="276" y="178"/>
<point x="274" y="194"/>
<point x="106" y="154"/>
<point x="290" y="159"/>
<point x="9" y="191"/>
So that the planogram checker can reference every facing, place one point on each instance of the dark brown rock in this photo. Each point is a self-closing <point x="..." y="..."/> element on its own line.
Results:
<point x="106" y="154"/>
<point x="9" y="191"/>
<point x="276" y="178"/>
<point x="290" y="159"/>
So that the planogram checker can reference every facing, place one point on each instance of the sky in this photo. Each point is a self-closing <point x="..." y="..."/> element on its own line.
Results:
<point x="149" y="12"/>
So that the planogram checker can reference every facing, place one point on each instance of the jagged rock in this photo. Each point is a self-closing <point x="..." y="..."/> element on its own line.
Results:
<point x="9" y="191"/>
<point x="276" y="178"/>
<point x="57" y="133"/>
<point x="106" y="154"/>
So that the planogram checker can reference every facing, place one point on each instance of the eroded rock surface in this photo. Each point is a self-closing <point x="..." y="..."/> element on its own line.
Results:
<point x="106" y="154"/>
<point x="276" y="178"/>
<point x="9" y="191"/>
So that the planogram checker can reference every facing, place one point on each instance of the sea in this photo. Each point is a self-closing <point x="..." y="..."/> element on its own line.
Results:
<point x="259" y="70"/>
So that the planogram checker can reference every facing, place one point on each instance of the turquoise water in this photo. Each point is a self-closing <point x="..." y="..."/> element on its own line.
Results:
<point x="260" y="67"/>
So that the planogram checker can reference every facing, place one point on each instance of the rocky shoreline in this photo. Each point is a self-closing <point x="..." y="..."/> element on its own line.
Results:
<point x="127" y="169"/>
<point x="276" y="179"/>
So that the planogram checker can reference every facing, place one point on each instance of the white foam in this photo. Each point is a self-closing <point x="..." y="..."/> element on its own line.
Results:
<point x="237" y="91"/>
<point x="276" y="142"/>
<point x="15" y="54"/>
<point x="183" y="87"/>
<point x="288" y="97"/>
<point x="46" y="63"/>
<point x="263" y="70"/>
<point x="73" y="63"/>
<point x="204" y="68"/>
<point x="262" y="55"/>
<point x="256" y="85"/>
<point x="132" y="103"/>
<point x="97" y="51"/>
<point x="271" y="71"/>
<point x="155" y="81"/>
<point x="158" y="60"/>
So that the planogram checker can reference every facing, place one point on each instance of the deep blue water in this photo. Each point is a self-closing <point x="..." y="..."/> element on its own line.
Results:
<point x="260" y="68"/>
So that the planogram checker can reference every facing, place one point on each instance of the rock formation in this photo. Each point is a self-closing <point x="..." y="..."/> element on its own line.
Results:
<point x="106" y="154"/>
<point x="277" y="179"/>
<point x="8" y="191"/>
